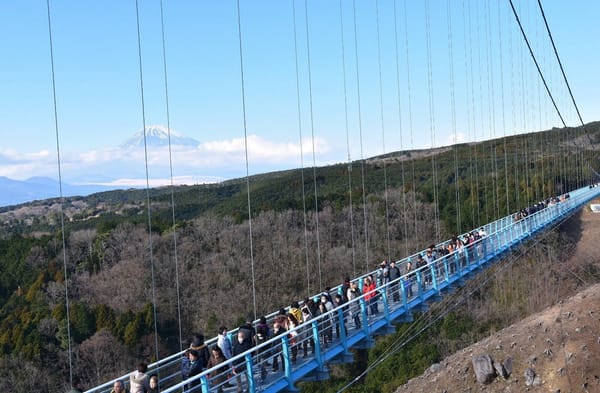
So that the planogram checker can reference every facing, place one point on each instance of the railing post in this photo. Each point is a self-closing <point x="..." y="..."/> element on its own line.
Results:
<point x="457" y="263"/>
<point x="446" y="275"/>
<point x="403" y="291"/>
<point x="318" y="353"/>
<point x="287" y="364"/>
<point x="384" y="297"/>
<point x="204" y="384"/>
<point x="431" y="267"/>
<point x="365" y="319"/>
<point x="420" y="285"/>
<point x="343" y="333"/>
<point x="249" y="373"/>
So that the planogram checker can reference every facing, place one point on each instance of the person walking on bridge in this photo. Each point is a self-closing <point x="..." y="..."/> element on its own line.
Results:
<point x="371" y="295"/>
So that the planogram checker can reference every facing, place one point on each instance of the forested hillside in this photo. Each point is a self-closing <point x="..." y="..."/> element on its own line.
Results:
<point x="192" y="267"/>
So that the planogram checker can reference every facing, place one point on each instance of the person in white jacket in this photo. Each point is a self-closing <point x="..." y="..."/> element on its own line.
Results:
<point x="139" y="380"/>
<point x="224" y="343"/>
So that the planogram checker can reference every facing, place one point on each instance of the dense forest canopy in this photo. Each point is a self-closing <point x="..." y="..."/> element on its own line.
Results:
<point x="385" y="207"/>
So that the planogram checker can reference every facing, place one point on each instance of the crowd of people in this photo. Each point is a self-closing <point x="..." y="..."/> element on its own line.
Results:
<point x="536" y="207"/>
<point x="199" y="357"/>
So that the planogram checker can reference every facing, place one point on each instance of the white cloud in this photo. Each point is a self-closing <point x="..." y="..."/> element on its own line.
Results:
<point x="160" y="182"/>
<point x="11" y="155"/>
<point x="209" y="162"/>
<point x="263" y="149"/>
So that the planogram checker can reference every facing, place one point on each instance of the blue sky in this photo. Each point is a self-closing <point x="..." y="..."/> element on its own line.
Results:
<point x="496" y="89"/>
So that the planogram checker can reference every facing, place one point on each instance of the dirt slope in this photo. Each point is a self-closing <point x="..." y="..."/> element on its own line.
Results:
<point x="561" y="344"/>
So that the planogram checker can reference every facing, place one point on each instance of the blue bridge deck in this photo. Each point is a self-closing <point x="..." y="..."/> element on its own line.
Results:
<point x="352" y="325"/>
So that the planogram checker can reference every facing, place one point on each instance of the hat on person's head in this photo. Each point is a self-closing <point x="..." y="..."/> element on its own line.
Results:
<point x="194" y="353"/>
<point x="198" y="340"/>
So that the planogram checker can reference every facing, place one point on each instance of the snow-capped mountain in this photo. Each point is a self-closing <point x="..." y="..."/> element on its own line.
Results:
<point x="158" y="135"/>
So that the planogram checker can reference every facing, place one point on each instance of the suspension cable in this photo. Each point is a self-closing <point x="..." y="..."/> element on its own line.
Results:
<point x="308" y="291"/>
<point x="243" y="92"/>
<point x="432" y="122"/>
<point x="347" y="141"/>
<point x="468" y="49"/>
<point x="60" y="190"/>
<point x="524" y="157"/>
<point x="453" y="112"/>
<point x="514" y="120"/>
<point x="403" y="190"/>
<point x="482" y="127"/>
<point x="164" y="54"/>
<point x="148" y="207"/>
<point x="410" y="126"/>
<point x="312" y="129"/>
<point x="362" y="159"/>
<point x="385" y="190"/>
<point x="492" y="114"/>
<point x="500" y="51"/>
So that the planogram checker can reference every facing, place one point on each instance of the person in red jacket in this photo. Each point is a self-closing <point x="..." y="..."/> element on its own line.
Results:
<point x="371" y="294"/>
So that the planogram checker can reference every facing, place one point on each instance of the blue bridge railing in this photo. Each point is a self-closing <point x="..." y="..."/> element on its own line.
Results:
<point x="277" y="364"/>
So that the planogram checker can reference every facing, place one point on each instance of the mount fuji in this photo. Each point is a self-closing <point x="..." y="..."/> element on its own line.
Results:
<point x="158" y="135"/>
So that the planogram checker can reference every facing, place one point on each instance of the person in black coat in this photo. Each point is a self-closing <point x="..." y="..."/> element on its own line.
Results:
<point x="240" y="345"/>
<point x="191" y="365"/>
<point x="394" y="274"/>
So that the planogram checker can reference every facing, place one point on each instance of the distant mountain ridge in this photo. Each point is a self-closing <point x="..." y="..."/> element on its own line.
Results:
<point x="37" y="188"/>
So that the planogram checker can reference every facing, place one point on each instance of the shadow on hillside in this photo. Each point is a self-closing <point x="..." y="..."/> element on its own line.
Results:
<point x="572" y="228"/>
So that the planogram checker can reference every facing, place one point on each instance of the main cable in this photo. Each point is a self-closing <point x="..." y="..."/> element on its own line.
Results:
<point x="535" y="61"/>
<point x="562" y="70"/>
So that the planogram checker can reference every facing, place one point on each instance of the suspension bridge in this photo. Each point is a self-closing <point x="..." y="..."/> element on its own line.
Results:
<point x="558" y="187"/>
<point x="400" y="298"/>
